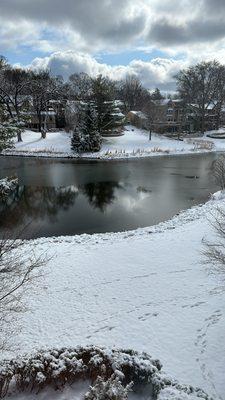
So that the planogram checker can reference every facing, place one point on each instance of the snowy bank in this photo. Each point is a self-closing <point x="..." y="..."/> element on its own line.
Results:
<point x="145" y="289"/>
<point x="134" y="143"/>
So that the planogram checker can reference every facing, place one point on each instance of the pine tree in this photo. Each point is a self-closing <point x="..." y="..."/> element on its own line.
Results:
<point x="109" y="117"/>
<point x="86" y="137"/>
<point x="112" y="119"/>
<point x="79" y="141"/>
<point x="95" y="139"/>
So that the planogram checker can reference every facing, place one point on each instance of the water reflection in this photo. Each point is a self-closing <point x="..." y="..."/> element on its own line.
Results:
<point x="29" y="203"/>
<point x="101" y="194"/>
<point x="65" y="198"/>
<point x="39" y="202"/>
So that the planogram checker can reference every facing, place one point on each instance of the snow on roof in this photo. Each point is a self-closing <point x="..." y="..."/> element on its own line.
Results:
<point x="194" y="105"/>
<point x="118" y="103"/>
<point x="162" y="102"/>
<point x="48" y="112"/>
<point x="118" y="114"/>
<point x="55" y="101"/>
<point x="140" y="114"/>
<point x="177" y="100"/>
<point x="211" y="105"/>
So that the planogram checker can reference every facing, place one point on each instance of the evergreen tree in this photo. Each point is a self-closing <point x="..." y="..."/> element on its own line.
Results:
<point x="79" y="141"/>
<point x="86" y="137"/>
<point x="112" y="119"/>
<point x="95" y="139"/>
<point x="109" y="118"/>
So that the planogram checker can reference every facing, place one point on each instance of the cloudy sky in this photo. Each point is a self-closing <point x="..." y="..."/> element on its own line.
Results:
<point x="149" y="38"/>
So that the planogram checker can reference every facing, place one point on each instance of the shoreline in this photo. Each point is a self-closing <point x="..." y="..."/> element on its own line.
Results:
<point x="133" y="144"/>
<point x="182" y="218"/>
<point x="106" y="158"/>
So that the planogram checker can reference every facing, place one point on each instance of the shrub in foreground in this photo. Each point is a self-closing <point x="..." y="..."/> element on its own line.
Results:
<point x="113" y="373"/>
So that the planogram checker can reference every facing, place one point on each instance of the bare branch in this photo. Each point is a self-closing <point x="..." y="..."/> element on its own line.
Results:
<point x="18" y="270"/>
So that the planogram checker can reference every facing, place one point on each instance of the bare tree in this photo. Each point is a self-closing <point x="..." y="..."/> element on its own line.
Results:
<point x="200" y="85"/>
<point x="132" y="93"/>
<point x="220" y="94"/>
<point x="218" y="171"/>
<point x="14" y="83"/>
<point x="214" y="253"/>
<point x="43" y="88"/>
<point x="79" y="86"/>
<point x="155" y="114"/>
<point x="150" y="110"/>
<point x="17" y="272"/>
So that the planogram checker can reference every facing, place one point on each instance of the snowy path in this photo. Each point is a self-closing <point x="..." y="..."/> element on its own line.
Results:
<point x="146" y="291"/>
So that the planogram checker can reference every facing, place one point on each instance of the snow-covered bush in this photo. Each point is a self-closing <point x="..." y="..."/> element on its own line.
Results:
<point x="111" y="389"/>
<point x="202" y="144"/>
<point x="113" y="373"/>
<point x="7" y="133"/>
<point x="9" y="129"/>
<point x="7" y="186"/>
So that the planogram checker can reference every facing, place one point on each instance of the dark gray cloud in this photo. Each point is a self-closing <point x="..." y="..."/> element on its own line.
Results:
<point x="102" y="20"/>
<point x="214" y="6"/>
<point x="107" y="24"/>
<point x="165" y="32"/>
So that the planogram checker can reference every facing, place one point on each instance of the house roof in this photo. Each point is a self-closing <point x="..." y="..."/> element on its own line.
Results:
<point x="139" y="114"/>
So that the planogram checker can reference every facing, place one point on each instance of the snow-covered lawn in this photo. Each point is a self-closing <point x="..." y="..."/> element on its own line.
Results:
<point x="145" y="289"/>
<point x="134" y="143"/>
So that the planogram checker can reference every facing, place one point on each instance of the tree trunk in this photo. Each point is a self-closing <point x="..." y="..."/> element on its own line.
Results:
<point x="203" y="124"/>
<point x="9" y="110"/>
<point x="43" y="134"/>
<point x="218" y="118"/>
<point x="39" y="123"/>
<point x="19" y="136"/>
<point x="150" y="134"/>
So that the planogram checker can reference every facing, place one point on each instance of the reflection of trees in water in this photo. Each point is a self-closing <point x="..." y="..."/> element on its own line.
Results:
<point x="43" y="204"/>
<point x="36" y="203"/>
<point x="100" y="194"/>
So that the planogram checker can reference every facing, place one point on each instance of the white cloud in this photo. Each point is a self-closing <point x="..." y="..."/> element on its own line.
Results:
<point x="12" y="35"/>
<point x="157" y="72"/>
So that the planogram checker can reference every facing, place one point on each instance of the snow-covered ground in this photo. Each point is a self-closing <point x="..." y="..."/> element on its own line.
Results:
<point x="134" y="143"/>
<point x="145" y="289"/>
